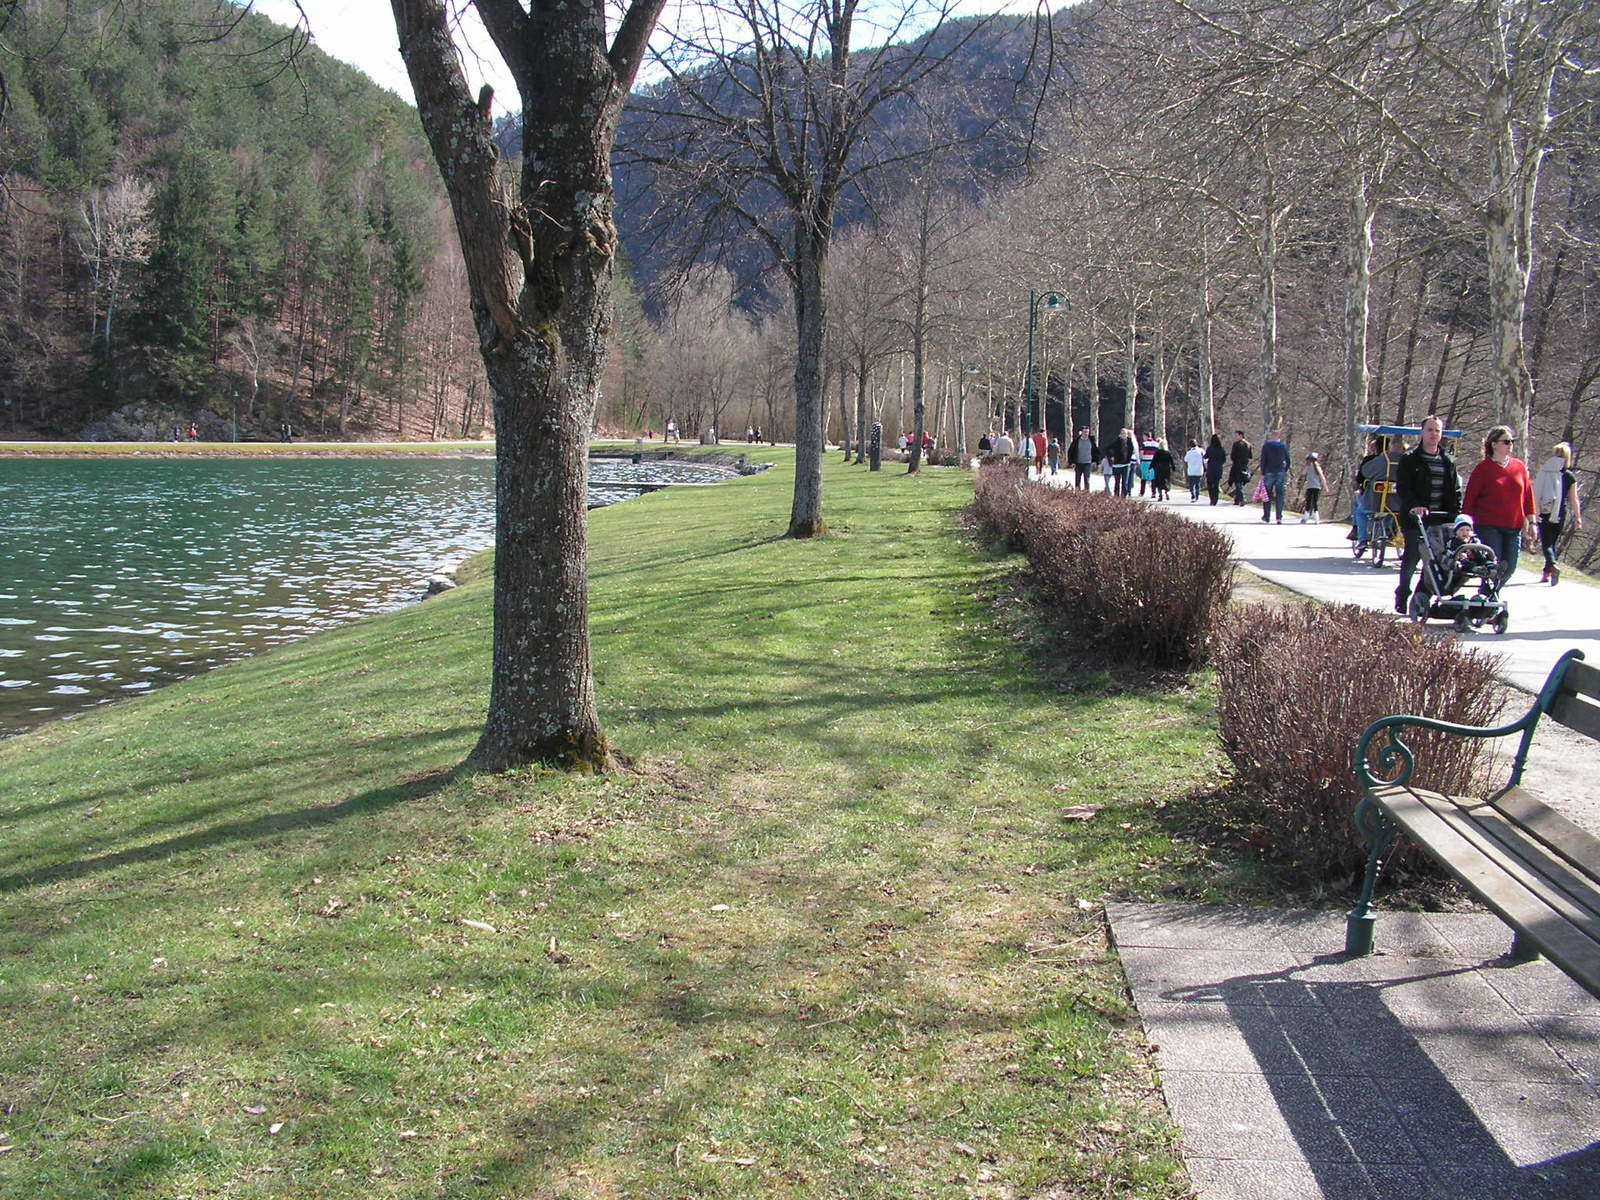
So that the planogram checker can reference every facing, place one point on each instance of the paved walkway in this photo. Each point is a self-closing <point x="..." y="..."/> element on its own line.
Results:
<point x="1434" y="1071"/>
<point x="1315" y="561"/>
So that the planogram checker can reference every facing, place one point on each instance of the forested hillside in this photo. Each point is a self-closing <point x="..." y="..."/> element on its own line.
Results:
<point x="212" y="223"/>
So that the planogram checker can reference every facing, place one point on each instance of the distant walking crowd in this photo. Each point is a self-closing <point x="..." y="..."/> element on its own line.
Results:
<point x="1505" y="507"/>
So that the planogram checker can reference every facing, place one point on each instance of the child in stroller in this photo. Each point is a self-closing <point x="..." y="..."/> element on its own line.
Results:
<point x="1451" y="564"/>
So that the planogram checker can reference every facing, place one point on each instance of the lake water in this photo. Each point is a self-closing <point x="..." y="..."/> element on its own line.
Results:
<point x="120" y="575"/>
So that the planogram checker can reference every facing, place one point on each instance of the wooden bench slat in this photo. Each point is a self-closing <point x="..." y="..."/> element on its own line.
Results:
<point x="1581" y="679"/>
<point x="1523" y="860"/>
<point x="1576" y="712"/>
<point x="1572" y="842"/>
<point x="1563" y="942"/>
<point x="1566" y="890"/>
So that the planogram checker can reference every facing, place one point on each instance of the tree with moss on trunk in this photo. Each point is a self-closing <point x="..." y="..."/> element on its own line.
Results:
<point x="539" y="260"/>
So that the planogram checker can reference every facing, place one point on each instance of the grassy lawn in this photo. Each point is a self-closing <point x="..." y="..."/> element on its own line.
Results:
<point x="836" y="931"/>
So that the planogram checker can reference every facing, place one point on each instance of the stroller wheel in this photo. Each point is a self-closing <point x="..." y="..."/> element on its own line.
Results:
<point x="1462" y="624"/>
<point x="1501" y="620"/>
<point x="1418" y="607"/>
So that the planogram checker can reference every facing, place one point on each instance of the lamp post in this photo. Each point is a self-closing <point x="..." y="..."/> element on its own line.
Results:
<point x="1050" y="302"/>
<point x="236" y="416"/>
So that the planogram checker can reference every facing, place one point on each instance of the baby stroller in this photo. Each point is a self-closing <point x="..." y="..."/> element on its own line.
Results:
<point x="1458" y="580"/>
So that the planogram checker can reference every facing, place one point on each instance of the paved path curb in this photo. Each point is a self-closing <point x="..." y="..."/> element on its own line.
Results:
<point x="1434" y="1071"/>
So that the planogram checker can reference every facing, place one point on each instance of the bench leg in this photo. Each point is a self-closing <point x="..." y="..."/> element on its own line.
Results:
<point x="1523" y="949"/>
<point x="1380" y="834"/>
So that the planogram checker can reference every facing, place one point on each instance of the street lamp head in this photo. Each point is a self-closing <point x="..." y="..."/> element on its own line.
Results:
<point x="1053" y="302"/>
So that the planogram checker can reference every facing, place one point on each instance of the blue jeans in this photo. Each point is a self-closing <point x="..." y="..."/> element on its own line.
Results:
<point x="1506" y="544"/>
<point x="1124" y="475"/>
<point x="1359" y="516"/>
<point x="1194" y="486"/>
<point x="1273" y="481"/>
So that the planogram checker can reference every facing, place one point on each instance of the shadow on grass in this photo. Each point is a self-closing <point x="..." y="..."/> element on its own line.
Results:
<point x="268" y="825"/>
<point x="395" y="747"/>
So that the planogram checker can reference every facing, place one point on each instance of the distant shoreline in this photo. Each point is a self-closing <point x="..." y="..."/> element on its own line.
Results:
<point x="245" y="449"/>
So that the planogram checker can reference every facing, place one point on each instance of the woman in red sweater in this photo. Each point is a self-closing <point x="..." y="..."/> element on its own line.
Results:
<point x="1499" y="499"/>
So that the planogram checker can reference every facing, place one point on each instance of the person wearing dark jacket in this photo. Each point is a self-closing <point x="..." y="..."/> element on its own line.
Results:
<point x="1084" y="454"/>
<point x="1428" y="487"/>
<point x="1274" y="473"/>
<point x="1123" y="452"/>
<point x="1162" y="465"/>
<point x="1216" y="464"/>
<point x="1239" y="456"/>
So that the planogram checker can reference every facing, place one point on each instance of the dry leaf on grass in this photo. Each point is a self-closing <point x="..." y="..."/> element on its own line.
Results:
<point x="1080" y="812"/>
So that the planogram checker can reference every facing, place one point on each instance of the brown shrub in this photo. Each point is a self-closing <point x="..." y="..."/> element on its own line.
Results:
<point x="998" y="484"/>
<point x="1297" y="688"/>
<point x="1144" y="584"/>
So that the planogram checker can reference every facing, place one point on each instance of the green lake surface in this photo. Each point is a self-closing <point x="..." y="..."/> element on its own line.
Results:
<point x="119" y="575"/>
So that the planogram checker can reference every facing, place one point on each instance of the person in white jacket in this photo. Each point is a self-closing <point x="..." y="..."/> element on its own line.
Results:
<point x="1194" y="466"/>
<point x="1556" y="501"/>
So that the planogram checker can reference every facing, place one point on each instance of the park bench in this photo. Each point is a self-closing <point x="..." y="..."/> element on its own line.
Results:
<point x="1538" y="871"/>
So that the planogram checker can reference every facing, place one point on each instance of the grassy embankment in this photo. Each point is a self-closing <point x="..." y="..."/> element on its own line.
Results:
<point x="836" y="932"/>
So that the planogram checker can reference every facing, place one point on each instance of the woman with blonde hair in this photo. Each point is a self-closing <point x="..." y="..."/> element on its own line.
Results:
<point x="1555" y="496"/>
<point x="1499" y="499"/>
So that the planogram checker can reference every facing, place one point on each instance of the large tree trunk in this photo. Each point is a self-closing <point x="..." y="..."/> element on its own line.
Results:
<point x="918" y="374"/>
<point x="1267" y="306"/>
<point x="539" y="272"/>
<point x="1205" y="368"/>
<point x="805" y="515"/>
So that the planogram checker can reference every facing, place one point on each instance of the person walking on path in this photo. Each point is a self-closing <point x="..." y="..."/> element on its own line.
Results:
<point x="1555" y="493"/>
<point x="1123" y="452"/>
<point x="1499" y="499"/>
<point x="1054" y="452"/>
<point x="1194" y="466"/>
<point x="1239" y="456"/>
<point x="1109" y="471"/>
<point x="1216" y="463"/>
<point x="1084" y="455"/>
<point x="1358" y="503"/>
<point x="1429" y="489"/>
<point x="1039" y="447"/>
<point x="1316" y="483"/>
<point x="1274" y="473"/>
<point x="1162" y="465"/>
<point x="1004" y="447"/>
<point x="1147" y="454"/>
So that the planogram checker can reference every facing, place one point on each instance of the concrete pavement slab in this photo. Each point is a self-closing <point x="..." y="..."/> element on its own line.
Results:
<point x="1427" y="1071"/>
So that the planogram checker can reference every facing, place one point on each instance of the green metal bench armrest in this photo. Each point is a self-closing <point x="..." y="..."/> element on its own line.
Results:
<point x="1395" y="753"/>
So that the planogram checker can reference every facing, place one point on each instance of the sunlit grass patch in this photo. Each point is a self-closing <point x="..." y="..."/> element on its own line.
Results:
<point x="835" y="930"/>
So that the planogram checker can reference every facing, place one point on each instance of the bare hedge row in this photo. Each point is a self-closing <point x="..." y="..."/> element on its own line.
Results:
<point x="1143" y="583"/>
<point x="1297" y="685"/>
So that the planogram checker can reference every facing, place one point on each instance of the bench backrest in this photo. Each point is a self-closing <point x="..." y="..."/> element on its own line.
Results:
<point x="1576" y="703"/>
